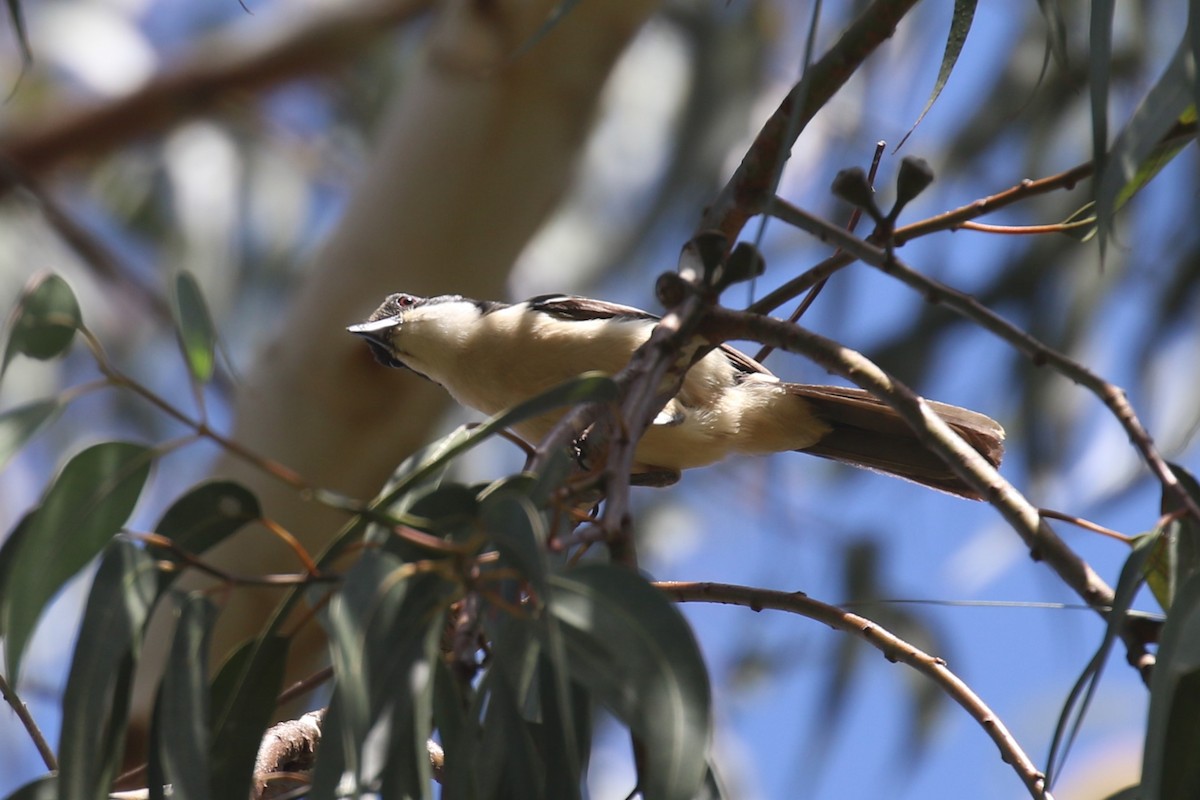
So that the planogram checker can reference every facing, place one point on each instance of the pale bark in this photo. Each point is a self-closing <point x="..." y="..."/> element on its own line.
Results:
<point x="474" y="156"/>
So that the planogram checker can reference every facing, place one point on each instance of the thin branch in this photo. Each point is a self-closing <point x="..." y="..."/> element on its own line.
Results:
<point x="748" y="190"/>
<point x="937" y="292"/>
<point x="208" y="76"/>
<point x="937" y="436"/>
<point x="893" y="648"/>
<point x="31" y="726"/>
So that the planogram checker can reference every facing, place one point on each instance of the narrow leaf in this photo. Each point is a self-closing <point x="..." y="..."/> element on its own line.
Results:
<point x="1176" y="555"/>
<point x="18" y="425"/>
<point x="1129" y="165"/>
<point x="243" y="700"/>
<point x="194" y="325"/>
<point x="590" y="387"/>
<point x="1080" y="697"/>
<point x="208" y="514"/>
<point x="633" y="649"/>
<point x="183" y="705"/>
<point x="83" y="509"/>
<point x="1056" y="30"/>
<point x="1169" y="765"/>
<point x="1099" y="75"/>
<point x="44" y="320"/>
<point x="43" y="788"/>
<point x="95" y="703"/>
<point x="16" y="18"/>
<point x="960" y="26"/>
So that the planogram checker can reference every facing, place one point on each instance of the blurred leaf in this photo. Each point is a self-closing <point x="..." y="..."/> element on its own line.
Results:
<point x="44" y="320"/>
<point x="18" y="425"/>
<point x="1136" y="155"/>
<point x="1128" y="793"/>
<point x="960" y="26"/>
<point x="589" y="387"/>
<point x="83" y="509"/>
<point x="458" y="732"/>
<point x="183" y="703"/>
<point x="95" y="703"/>
<point x="1170" y="770"/>
<point x="205" y="516"/>
<point x="564" y="736"/>
<point x="16" y="18"/>
<point x="1079" y="700"/>
<point x="43" y="788"/>
<point x="1099" y="76"/>
<point x="633" y="649"/>
<point x="519" y="533"/>
<point x="383" y="627"/>
<point x="510" y="764"/>
<point x="1056" y="30"/>
<point x="243" y="700"/>
<point x="194" y="325"/>
<point x="1176" y="554"/>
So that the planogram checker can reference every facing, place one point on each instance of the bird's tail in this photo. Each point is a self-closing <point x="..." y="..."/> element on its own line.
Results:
<point x="868" y="433"/>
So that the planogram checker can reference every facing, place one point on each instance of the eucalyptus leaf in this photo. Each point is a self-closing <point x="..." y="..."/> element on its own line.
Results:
<point x="18" y="425"/>
<point x="633" y="649"/>
<point x="243" y="700"/>
<point x="95" y="702"/>
<point x="44" y="321"/>
<point x="85" y="506"/>
<point x="960" y="26"/>
<point x="1170" y="769"/>
<point x="194" y="326"/>
<point x="182" y="746"/>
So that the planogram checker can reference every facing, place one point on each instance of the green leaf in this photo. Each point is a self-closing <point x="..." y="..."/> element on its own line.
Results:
<point x="1176" y="555"/>
<point x="18" y="425"/>
<point x="83" y="509"/>
<point x="44" y="320"/>
<point x="1080" y="698"/>
<point x="590" y="387"/>
<point x="511" y="765"/>
<point x="95" y="703"/>
<point x="182" y="746"/>
<point x="194" y="325"/>
<point x="1056" y="29"/>
<point x="633" y="649"/>
<point x="1169" y="766"/>
<point x="459" y="734"/>
<point x="205" y="516"/>
<point x="384" y="625"/>
<point x="519" y="532"/>
<point x="43" y="788"/>
<point x="16" y="18"/>
<point x="1099" y="75"/>
<point x="1136" y="155"/>
<point x="243" y="700"/>
<point x="1128" y="793"/>
<point x="960" y="26"/>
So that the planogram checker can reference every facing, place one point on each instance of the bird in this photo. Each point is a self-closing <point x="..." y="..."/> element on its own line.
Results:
<point x="491" y="356"/>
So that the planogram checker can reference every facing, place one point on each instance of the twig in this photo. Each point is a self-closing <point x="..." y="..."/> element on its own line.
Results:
<point x="893" y="648"/>
<point x="31" y="727"/>
<point x="935" y="434"/>
<point x="204" y="79"/>
<point x="937" y="292"/>
<point x="1087" y="525"/>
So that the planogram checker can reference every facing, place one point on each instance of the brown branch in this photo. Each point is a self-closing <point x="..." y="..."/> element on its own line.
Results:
<point x="203" y="80"/>
<point x="935" y="434"/>
<point x="30" y="725"/>
<point x="893" y="648"/>
<point x="935" y="291"/>
<point x="750" y="189"/>
<point x="286" y="749"/>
